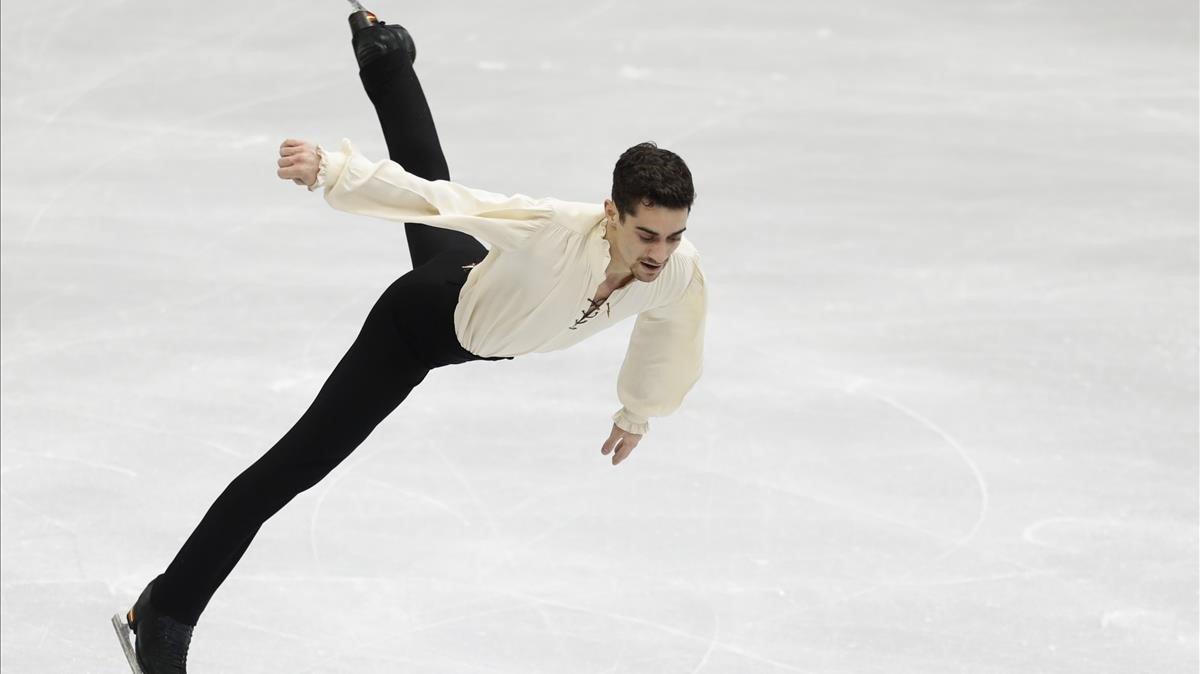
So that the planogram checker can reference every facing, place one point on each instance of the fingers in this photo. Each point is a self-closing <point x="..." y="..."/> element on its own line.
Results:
<point x="613" y="438"/>
<point x="620" y="443"/>
<point x="624" y="450"/>
<point x="290" y="173"/>
<point x="297" y="163"/>
<point x="293" y="153"/>
<point x="300" y="175"/>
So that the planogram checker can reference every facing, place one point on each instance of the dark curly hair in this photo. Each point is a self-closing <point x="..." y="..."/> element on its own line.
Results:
<point x="649" y="175"/>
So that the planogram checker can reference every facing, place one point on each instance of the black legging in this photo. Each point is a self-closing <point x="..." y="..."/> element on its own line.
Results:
<point x="408" y="332"/>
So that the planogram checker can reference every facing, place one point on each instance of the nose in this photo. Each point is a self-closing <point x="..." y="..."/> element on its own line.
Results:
<point x="658" y="253"/>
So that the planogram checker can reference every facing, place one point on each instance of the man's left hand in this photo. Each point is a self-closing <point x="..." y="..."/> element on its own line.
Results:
<point x="622" y="442"/>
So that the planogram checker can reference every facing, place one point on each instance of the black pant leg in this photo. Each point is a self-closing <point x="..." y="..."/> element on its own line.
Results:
<point x="374" y="376"/>
<point x="412" y="141"/>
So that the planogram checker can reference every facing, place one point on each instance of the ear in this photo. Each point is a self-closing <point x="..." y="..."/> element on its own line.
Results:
<point x="610" y="209"/>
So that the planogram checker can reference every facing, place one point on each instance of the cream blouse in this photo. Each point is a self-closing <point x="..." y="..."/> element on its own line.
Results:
<point x="533" y="291"/>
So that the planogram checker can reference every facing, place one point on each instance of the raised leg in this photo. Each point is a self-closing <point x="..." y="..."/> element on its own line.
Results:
<point x="412" y="142"/>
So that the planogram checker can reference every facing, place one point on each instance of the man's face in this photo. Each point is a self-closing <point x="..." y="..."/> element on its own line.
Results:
<point x="645" y="239"/>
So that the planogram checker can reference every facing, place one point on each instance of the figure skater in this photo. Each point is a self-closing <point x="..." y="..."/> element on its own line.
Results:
<point x="556" y="273"/>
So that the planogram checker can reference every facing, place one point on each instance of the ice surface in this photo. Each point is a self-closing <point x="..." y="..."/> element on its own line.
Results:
<point x="948" y="421"/>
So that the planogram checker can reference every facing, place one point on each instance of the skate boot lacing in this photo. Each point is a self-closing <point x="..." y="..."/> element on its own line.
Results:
<point x="163" y="645"/>
<point x="177" y="637"/>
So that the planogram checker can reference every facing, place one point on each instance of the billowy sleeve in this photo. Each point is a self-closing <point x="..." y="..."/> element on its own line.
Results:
<point x="384" y="189"/>
<point x="664" y="359"/>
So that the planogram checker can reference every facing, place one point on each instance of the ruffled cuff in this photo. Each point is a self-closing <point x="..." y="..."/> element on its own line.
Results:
<point x="630" y="422"/>
<point x="330" y="164"/>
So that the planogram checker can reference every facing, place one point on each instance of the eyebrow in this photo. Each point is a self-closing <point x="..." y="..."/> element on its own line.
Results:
<point x="651" y="231"/>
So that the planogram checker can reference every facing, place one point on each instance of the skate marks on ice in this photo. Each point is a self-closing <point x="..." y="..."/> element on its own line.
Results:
<point x="860" y="385"/>
<point x="422" y="446"/>
<point x="69" y="189"/>
<point x="1032" y="533"/>
<point x="711" y="643"/>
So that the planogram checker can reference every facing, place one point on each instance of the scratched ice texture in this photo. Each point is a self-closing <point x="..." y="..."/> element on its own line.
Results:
<point x="948" y="420"/>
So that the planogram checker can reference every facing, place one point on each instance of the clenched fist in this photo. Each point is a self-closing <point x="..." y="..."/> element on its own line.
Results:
<point x="298" y="161"/>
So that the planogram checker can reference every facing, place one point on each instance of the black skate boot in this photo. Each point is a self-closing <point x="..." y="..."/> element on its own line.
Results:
<point x="373" y="38"/>
<point x="162" y="641"/>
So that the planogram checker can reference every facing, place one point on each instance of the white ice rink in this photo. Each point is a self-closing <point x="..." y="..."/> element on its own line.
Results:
<point x="948" y="420"/>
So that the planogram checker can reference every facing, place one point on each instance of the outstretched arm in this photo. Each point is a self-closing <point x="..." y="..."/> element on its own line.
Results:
<point x="384" y="189"/>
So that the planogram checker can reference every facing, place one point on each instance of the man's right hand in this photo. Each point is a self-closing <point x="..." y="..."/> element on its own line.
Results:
<point x="298" y="162"/>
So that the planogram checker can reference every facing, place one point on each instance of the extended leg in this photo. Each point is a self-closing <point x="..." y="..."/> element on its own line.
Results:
<point x="412" y="142"/>
<point x="372" y="379"/>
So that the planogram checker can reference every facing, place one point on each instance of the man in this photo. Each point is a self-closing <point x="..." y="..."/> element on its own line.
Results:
<point x="557" y="272"/>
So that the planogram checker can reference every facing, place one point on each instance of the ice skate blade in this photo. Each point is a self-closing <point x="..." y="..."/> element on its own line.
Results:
<point x="123" y="633"/>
